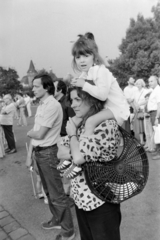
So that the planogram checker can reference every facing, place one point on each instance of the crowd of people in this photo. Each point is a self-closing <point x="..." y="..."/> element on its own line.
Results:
<point x="144" y="112"/>
<point x="18" y="107"/>
<point x="79" y="124"/>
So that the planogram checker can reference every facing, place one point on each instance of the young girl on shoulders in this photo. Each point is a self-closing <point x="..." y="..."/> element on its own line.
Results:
<point x="99" y="82"/>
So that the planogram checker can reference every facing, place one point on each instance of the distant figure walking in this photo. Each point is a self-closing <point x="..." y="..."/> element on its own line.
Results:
<point x="21" y="105"/>
<point x="6" y="121"/>
<point x="28" y="104"/>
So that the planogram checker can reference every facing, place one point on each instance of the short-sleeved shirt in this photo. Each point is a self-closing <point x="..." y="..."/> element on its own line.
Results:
<point x="49" y="114"/>
<point x="101" y="146"/>
<point x="7" y="119"/>
<point x="154" y="99"/>
<point x="129" y="92"/>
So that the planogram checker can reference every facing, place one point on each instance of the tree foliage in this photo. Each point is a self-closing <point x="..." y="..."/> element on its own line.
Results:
<point x="139" y="50"/>
<point x="9" y="81"/>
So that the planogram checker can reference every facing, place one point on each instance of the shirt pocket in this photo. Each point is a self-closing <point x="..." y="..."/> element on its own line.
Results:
<point x="40" y="115"/>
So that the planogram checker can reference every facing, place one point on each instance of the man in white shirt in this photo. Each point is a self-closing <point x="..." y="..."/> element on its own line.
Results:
<point x="6" y="121"/>
<point x="154" y="108"/>
<point x="130" y="90"/>
<point x="44" y="137"/>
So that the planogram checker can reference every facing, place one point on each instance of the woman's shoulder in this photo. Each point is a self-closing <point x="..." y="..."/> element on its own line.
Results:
<point x="107" y="124"/>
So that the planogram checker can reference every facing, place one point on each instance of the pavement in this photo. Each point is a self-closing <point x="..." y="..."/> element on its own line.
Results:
<point x="21" y="214"/>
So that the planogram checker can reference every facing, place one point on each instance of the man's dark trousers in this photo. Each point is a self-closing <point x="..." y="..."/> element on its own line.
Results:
<point x="52" y="183"/>
<point x="8" y="132"/>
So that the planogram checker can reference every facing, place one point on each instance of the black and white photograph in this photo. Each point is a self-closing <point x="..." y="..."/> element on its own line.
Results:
<point x="79" y="119"/>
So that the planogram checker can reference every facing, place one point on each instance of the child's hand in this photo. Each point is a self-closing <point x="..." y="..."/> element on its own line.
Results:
<point x="78" y="82"/>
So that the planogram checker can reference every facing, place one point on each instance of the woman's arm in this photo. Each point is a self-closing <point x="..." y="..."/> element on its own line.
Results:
<point x="74" y="143"/>
<point x="75" y="151"/>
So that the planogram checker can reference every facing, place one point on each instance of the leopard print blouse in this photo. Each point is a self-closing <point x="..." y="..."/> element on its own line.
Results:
<point x="101" y="146"/>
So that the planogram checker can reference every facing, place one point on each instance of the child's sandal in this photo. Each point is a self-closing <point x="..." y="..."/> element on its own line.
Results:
<point x="73" y="171"/>
<point x="63" y="165"/>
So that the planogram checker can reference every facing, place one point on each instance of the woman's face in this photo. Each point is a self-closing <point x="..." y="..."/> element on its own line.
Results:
<point x="80" y="107"/>
<point x="139" y="85"/>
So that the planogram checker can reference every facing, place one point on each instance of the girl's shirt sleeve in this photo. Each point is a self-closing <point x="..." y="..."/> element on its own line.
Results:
<point x="102" y="78"/>
<point x="103" y="144"/>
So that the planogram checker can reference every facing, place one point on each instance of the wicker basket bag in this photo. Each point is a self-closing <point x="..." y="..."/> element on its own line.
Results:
<point x="123" y="177"/>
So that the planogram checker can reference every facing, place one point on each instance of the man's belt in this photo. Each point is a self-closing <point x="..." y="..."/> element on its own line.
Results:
<point x="152" y="111"/>
<point x="38" y="148"/>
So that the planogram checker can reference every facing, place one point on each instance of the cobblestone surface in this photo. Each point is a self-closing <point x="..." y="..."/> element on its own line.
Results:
<point x="11" y="229"/>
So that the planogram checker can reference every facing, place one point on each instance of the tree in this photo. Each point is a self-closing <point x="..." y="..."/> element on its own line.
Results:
<point x="9" y="81"/>
<point x="139" y="50"/>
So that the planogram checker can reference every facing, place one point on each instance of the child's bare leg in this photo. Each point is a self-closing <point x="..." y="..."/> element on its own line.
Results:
<point x="96" y="119"/>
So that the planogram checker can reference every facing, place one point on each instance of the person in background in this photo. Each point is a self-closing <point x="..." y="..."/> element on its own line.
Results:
<point x="149" y="145"/>
<point x="60" y="95"/>
<point x="43" y="146"/>
<point x="21" y="106"/>
<point x="2" y="151"/>
<point x="139" y="104"/>
<point x="154" y="108"/>
<point x="129" y="92"/>
<point x="6" y="121"/>
<point x="27" y="100"/>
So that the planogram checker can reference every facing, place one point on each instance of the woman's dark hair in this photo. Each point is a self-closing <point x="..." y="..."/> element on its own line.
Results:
<point x="83" y="46"/>
<point x="46" y="81"/>
<point x="96" y="104"/>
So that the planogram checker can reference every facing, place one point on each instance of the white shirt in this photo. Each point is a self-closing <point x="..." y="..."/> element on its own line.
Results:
<point x="129" y="92"/>
<point x="7" y="119"/>
<point x="27" y="100"/>
<point x="107" y="88"/>
<point x="154" y="99"/>
<point x="139" y="97"/>
<point x="49" y="114"/>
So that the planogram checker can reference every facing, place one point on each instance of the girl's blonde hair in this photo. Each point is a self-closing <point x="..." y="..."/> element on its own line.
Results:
<point x="141" y="81"/>
<point x="83" y="46"/>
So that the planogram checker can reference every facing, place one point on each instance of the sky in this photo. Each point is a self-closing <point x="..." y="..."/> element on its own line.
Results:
<point x="44" y="30"/>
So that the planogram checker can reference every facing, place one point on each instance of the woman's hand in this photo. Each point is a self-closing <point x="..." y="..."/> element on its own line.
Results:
<point x="78" y="82"/>
<point x="70" y="127"/>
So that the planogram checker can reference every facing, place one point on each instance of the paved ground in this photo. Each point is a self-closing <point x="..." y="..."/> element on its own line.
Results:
<point x="21" y="214"/>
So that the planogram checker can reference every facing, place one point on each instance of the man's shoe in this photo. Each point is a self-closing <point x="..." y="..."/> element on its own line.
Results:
<point x="12" y="151"/>
<point x="7" y="150"/>
<point x="156" y="157"/>
<point x="40" y="195"/>
<point x="50" y="225"/>
<point x="60" y="237"/>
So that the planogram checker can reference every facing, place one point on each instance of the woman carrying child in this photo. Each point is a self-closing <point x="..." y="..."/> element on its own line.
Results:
<point x="95" y="79"/>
